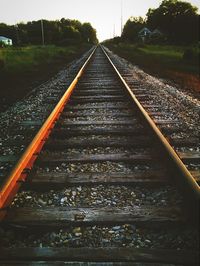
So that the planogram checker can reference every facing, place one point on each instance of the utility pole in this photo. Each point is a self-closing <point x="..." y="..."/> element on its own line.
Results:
<point x="17" y="34"/>
<point x="121" y="18"/>
<point x="42" y="30"/>
<point x="114" y="31"/>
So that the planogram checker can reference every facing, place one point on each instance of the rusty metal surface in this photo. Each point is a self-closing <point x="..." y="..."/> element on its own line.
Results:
<point x="18" y="174"/>
<point x="11" y="185"/>
<point x="119" y="120"/>
<point x="190" y="185"/>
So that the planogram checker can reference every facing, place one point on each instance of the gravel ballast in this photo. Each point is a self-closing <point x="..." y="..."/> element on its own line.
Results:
<point x="176" y="103"/>
<point x="28" y="114"/>
<point x="35" y="107"/>
<point x="125" y="235"/>
<point x="100" y="196"/>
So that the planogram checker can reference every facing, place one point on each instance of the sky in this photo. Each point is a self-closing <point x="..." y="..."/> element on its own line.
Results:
<point x="104" y="15"/>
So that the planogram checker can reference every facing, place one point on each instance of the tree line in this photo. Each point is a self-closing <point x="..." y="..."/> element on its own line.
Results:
<point x="58" y="32"/>
<point x="177" y="21"/>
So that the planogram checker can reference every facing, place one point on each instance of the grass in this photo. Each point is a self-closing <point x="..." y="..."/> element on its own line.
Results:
<point x="23" y="68"/>
<point x="16" y="60"/>
<point x="162" y="60"/>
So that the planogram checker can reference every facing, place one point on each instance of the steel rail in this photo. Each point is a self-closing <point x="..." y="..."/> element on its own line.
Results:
<point x="19" y="173"/>
<point x="190" y="186"/>
<point x="102" y="253"/>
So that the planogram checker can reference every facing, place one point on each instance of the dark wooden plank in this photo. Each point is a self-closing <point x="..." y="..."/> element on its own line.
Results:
<point x="79" y="263"/>
<point x="189" y="156"/>
<point x="18" y="142"/>
<point x="156" y="113"/>
<point x="8" y="158"/>
<point x="184" y="142"/>
<point x="93" y="158"/>
<point x="109" y="254"/>
<point x="93" y="82"/>
<point x="30" y="123"/>
<point x="147" y="105"/>
<point x="97" y="115"/>
<point x="66" y="132"/>
<point x="63" y="216"/>
<point x="89" y="92"/>
<point x="142" y="97"/>
<point x="114" y="113"/>
<point x="170" y="129"/>
<point x="137" y="141"/>
<point x="98" y="106"/>
<point x="165" y="122"/>
<point x="97" y="97"/>
<point x="127" y="122"/>
<point x="25" y="131"/>
<point x="150" y="177"/>
<point x="92" y="99"/>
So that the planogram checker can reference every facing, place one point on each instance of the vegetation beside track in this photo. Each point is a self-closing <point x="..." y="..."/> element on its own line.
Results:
<point x="177" y="63"/>
<point x="23" y="68"/>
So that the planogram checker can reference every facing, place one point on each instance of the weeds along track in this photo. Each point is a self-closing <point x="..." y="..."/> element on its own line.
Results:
<point x="99" y="184"/>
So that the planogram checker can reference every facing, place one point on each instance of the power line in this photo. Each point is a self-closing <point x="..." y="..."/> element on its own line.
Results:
<point x="121" y="17"/>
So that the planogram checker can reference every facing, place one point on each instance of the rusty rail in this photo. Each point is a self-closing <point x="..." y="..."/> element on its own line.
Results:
<point x="190" y="186"/>
<point x="19" y="172"/>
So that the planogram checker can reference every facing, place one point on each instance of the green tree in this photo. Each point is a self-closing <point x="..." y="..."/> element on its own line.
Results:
<point x="61" y="32"/>
<point x="177" y="19"/>
<point x="70" y="35"/>
<point x="132" y="27"/>
<point x="34" y="32"/>
<point x="21" y="33"/>
<point x="88" y="33"/>
<point x="8" y="31"/>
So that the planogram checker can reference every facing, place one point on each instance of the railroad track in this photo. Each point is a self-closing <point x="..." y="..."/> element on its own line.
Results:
<point x="99" y="184"/>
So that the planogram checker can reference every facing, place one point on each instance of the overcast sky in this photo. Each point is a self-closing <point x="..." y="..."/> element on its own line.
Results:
<point x="104" y="15"/>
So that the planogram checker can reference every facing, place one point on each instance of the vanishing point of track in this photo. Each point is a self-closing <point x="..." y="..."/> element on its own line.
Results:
<point x="101" y="117"/>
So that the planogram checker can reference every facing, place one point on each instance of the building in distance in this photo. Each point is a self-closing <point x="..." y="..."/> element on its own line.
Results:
<point x="5" y="40"/>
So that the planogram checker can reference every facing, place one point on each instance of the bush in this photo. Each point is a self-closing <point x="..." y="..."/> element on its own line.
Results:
<point x="157" y="39"/>
<point x="140" y="45"/>
<point x="67" y="42"/>
<point x="2" y="64"/>
<point x="190" y="55"/>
